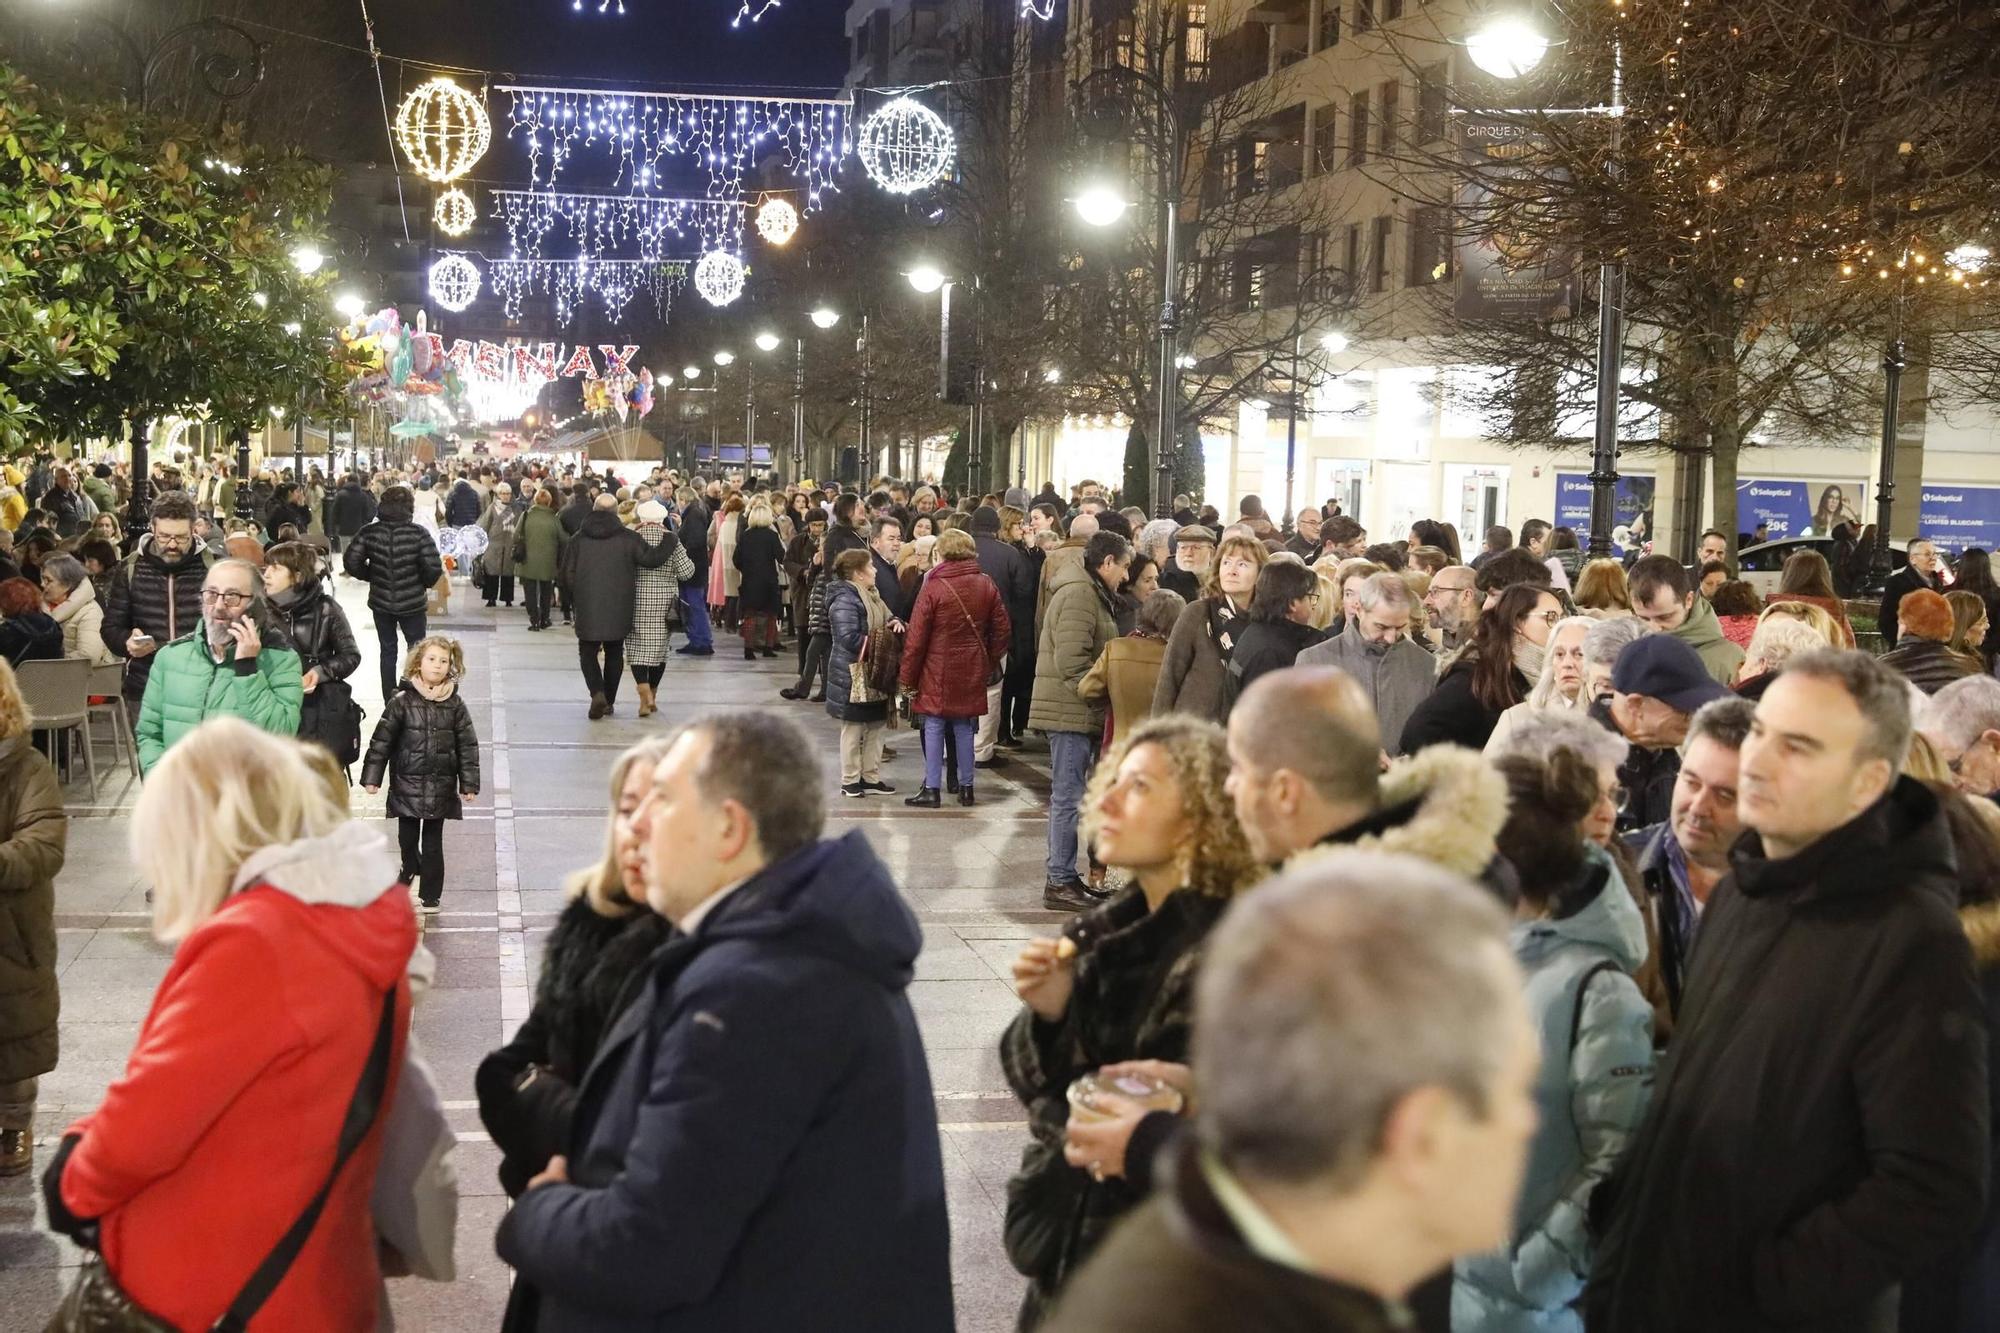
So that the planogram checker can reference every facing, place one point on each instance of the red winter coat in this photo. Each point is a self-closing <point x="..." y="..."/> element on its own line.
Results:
<point x="949" y="653"/>
<point x="226" y="1119"/>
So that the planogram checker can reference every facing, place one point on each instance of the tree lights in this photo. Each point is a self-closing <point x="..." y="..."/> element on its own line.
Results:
<point x="443" y="130"/>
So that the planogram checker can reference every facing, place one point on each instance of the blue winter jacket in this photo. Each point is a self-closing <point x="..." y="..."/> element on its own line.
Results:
<point x="755" y="1146"/>
<point x="1596" y="1077"/>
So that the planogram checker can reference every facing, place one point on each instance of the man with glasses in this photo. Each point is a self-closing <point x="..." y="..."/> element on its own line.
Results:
<point x="1452" y="604"/>
<point x="1962" y="721"/>
<point x="225" y="670"/>
<point x="1379" y="654"/>
<point x="155" y="596"/>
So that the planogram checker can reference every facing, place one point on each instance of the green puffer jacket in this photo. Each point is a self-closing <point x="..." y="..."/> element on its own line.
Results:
<point x="188" y="686"/>
<point x="1075" y="628"/>
<point x="545" y="536"/>
<point x="33" y="835"/>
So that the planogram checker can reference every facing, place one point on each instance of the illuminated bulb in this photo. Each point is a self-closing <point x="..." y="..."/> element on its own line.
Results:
<point x="1101" y="205"/>
<point x="767" y="341"/>
<point x="724" y="357"/>
<point x="307" y="259"/>
<point x="926" y="278"/>
<point x="1507" y="48"/>
<point x="825" y="317"/>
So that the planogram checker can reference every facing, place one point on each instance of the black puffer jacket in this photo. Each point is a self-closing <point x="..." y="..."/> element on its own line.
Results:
<point x="600" y="572"/>
<point x="396" y="559"/>
<point x="319" y="633"/>
<point x="430" y="751"/>
<point x="163" y="600"/>
<point x="693" y="534"/>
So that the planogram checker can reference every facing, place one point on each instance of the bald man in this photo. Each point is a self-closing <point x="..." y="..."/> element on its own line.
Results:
<point x="1081" y="529"/>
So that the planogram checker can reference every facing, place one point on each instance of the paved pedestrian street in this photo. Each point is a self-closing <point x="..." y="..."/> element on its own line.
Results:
<point x="973" y="877"/>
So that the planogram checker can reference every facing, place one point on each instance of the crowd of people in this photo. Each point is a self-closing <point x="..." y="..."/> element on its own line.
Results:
<point x="1539" y="942"/>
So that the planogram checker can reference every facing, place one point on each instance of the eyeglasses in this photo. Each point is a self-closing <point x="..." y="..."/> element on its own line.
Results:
<point x="1546" y="617"/>
<point x="214" y="596"/>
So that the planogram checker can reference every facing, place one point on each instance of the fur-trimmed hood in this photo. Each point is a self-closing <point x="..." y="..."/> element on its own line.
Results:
<point x="1444" y="805"/>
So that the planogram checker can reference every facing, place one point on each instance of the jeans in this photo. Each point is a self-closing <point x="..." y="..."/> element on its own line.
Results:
<point x="605" y="681"/>
<point x="386" y="625"/>
<point x="537" y="592"/>
<point x="934" y="729"/>
<point x="694" y="602"/>
<point x="861" y="751"/>
<point x="423" y="852"/>
<point x="812" y="661"/>
<point x="1070" y="755"/>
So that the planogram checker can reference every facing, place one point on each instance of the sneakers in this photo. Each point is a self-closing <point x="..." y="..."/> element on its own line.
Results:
<point x="17" y="1152"/>
<point x="926" y="797"/>
<point x="855" y="789"/>
<point x="1068" y="895"/>
<point x="598" y="708"/>
<point x="880" y="787"/>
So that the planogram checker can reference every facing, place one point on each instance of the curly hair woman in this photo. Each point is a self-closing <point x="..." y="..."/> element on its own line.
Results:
<point x="1115" y="988"/>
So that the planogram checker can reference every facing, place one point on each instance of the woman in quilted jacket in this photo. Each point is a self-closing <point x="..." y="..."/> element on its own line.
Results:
<point x="426" y="743"/>
<point x="958" y="635"/>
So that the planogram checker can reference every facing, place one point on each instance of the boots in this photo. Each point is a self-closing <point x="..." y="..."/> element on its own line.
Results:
<point x="598" y="706"/>
<point x="965" y="794"/>
<point x="17" y="1151"/>
<point x="926" y="797"/>
<point x="645" y="700"/>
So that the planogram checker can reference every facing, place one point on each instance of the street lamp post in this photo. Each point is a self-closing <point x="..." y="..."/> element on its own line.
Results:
<point x="242" y="438"/>
<point x="1893" y="363"/>
<point x="138" y="512"/>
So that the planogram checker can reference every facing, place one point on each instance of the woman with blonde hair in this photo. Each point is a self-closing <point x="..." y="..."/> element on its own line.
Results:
<point x="593" y="967"/>
<point x="1968" y="630"/>
<point x="1601" y="591"/>
<point x="33" y="840"/>
<point x="1194" y="674"/>
<point x="1806" y="612"/>
<point x="759" y="558"/>
<point x="724" y="580"/>
<point x="267" y="1065"/>
<point x="1117" y="987"/>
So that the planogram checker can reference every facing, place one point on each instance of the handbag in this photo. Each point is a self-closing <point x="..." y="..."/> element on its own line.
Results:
<point x="993" y="675"/>
<point x="97" y="1304"/>
<point x="882" y="654"/>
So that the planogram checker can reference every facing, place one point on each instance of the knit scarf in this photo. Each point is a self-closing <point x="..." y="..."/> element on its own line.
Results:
<point x="438" y="693"/>
<point x="1528" y="656"/>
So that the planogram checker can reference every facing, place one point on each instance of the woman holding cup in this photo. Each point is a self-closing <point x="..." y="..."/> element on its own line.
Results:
<point x="1117" y="987"/>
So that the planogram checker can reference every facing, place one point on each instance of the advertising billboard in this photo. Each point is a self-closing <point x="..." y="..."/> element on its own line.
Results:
<point x="1631" y="507"/>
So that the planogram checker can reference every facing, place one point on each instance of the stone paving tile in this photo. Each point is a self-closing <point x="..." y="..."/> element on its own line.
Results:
<point x="973" y="877"/>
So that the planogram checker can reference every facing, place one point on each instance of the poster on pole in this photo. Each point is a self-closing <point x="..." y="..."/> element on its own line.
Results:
<point x="1631" y="509"/>
<point x="1789" y="508"/>
<point x="1955" y="517"/>
<point x="1502" y="271"/>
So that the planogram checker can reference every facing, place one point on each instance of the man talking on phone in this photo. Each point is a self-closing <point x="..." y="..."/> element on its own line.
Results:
<point x="155" y="595"/>
<point x="225" y="670"/>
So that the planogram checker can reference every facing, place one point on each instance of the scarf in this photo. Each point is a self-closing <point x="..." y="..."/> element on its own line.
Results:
<point x="437" y="694"/>
<point x="1528" y="656"/>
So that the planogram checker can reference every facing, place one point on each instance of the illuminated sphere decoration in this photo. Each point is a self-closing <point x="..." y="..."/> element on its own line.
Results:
<point x="777" y="221"/>
<point x="906" y="146"/>
<point x="719" y="277"/>
<point x="454" y="282"/>
<point x="443" y="130"/>
<point x="454" y="213"/>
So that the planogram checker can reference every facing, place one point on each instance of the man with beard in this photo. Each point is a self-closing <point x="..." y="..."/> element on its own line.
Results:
<point x="155" y="597"/>
<point x="226" y="670"/>
<point x="1394" y="672"/>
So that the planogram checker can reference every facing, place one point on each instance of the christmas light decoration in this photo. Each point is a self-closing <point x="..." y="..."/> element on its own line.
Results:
<point x="454" y="214"/>
<point x="719" y="277"/>
<point x="722" y="136"/>
<point x="603" y="223"/>
<point x="454" y="282"/>
<point x="1038" y="9"/>
<point x="906" y="146"/>
<point x="777" y="221"/>
<point x="763" y="7"/>
<point x="614" y="281"/>
<point x="443" y="130"/>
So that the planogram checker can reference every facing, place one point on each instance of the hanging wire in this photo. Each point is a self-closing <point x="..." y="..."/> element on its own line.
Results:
<point x="388" y="130"/>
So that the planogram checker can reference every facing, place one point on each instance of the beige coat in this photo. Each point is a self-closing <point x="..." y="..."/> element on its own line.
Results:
<point x="82" y="619"/>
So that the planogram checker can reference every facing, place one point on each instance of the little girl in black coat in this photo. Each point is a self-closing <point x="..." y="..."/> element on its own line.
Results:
<point x="426" y="742"/>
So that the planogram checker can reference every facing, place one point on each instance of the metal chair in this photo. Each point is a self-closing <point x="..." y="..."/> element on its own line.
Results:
<point x="57" y="692"/>
<point x="108" y="682"/>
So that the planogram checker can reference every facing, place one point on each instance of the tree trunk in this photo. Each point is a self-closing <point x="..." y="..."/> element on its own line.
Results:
<point x="1726" y="443"/>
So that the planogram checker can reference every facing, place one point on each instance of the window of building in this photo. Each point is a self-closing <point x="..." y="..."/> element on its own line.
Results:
<point x="1429" y="245"/>
<point x="1195" y="47"/>
<point x="1433" y="107"/>
<point x="1351" y="255"/>
<point x="1326" y="140"/>
<point x="1388" y="97"/>
<point x="1357" y="131"/>
<point x="1364" y="16"/>
<point x="1378" y="259"/>
<point x="1391" y="10"/>
<point x="1329" y="24"/>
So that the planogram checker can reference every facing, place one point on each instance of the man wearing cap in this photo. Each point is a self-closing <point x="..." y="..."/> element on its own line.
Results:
<point x="1657" y="685"/>
<point x="1194" y="547"/>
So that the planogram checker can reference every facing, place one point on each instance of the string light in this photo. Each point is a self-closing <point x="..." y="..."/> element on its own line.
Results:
<point x="763" y="7"/>
<point x="602" y="223"/>
<point x="777" y="221"/>
<point x="721" y="136"/>
<point x="454" y="282"/>
<point x="443" y="130"/>
<point x="905" y="146"/>
<point x="614" y="281"/>
<point x="719" y="277"/>
<point x="453" y="213"/>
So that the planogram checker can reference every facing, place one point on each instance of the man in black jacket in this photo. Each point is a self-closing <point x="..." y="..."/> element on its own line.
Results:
<point x="885" y="542"/>
<point x="695" y="519"/>
<point x="400" y="564"/>
<point x="755" y="1143"/>
<point x="841" y="535"/>
<point x="1820" y="1132"/>
<point x="1008" y="568"/>
<point x="155" y="597"/>
<point x="600" y="567"/>
<point x="1921" y="572"/>
<point x="353" y="507"/>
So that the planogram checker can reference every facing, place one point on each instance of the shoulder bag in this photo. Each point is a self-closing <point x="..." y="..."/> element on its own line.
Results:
<point x="993" y="673"/>
<point x="97" y="1304"/>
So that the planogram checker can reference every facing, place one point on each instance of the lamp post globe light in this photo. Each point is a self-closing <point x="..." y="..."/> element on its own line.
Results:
<point x="768" y="341"/>
<point x="725" y="357"/>
<point x="926" y="278"/>
<point x="825" y="317"/>
<point x="1507" y="47"/>
<point x="308" y="259"/>
<point x="1101" y="204"/>
<point x="349" y="304"/>
<point x="690" y="372"/>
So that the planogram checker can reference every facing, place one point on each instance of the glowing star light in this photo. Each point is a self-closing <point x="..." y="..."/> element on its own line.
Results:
<point x="719" y="277"/>
<point x="777" y="221"/>
<point x="454" y="213"/>
<point x="443" y="130"/>
<point x="454" y="282"/>
<point x="906" y="146"/>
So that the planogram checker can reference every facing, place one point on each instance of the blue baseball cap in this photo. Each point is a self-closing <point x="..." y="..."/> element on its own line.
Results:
<point x="1662" y="667"/>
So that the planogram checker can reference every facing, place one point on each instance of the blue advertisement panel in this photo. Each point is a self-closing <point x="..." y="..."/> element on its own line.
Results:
<point x="1796" y="508"/>
<point x="1631" y="507"/>
<point x="1956" y="517"/>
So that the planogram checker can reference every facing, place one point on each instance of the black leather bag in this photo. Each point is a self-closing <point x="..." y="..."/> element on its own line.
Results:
<point x="97" y="1304"/>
